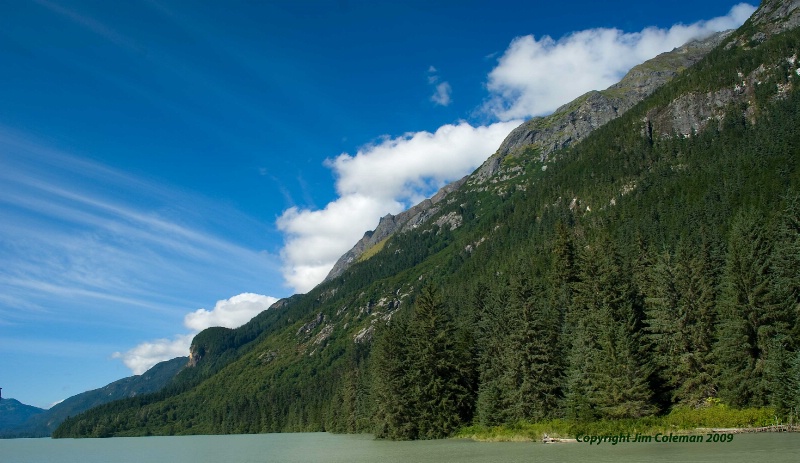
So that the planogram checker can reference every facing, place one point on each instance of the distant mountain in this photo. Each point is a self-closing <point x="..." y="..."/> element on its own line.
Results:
<point x="14" y="414"/>
<point x="27" y="421"/>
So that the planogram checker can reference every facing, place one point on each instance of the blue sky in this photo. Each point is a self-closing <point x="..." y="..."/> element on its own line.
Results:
<point x="167" y="166"/>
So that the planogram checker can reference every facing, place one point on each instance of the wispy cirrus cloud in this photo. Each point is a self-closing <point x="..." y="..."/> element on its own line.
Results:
<point x="90" y="24"/>
<point x="83" y="244"/>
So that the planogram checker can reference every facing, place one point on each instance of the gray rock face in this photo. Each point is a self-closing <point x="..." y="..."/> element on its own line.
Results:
<point x="776" y="16"/>
<point x="694" y="112"/>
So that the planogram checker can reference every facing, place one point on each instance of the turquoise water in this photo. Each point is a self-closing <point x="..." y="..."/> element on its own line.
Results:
<point x="323" y="447"/>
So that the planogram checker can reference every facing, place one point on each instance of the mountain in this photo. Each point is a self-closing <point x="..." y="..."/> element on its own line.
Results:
<point x="36" y="422"/>
<point x="604" y="264"/>
<point x="13" y="414"/>
<point x="568" y="125"/>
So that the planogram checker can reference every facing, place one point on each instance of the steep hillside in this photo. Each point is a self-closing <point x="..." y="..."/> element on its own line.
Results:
<point x="568" y="125"/>
<point x="651" y="266"/>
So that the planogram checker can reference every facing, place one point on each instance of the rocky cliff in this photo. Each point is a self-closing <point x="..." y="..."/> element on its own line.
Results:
<point x="693" y="112"/>
<point x="774" y="17"/>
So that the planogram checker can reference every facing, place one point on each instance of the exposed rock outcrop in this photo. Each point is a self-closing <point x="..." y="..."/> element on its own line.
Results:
<point x="771" y="18"/>
<point x="692" y="113"/>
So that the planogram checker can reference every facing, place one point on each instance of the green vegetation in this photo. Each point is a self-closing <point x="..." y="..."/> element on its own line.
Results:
<point x="373" y="250"/>
<point x="619" y="289"/>
<point x="680" y="420"/>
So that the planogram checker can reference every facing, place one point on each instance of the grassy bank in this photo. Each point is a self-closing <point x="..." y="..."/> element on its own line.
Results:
<point x="681" y="419"/>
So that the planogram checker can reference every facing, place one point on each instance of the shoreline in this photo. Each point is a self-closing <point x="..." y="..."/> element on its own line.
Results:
<point x="699" y="431"/>
<point x="545" y="438"/>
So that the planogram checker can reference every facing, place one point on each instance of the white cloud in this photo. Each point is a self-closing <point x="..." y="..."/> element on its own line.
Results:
<point x="442" y="94"/>
<point x="382" y="178"/>
<point x="142" y="357"/>
<point x="432" y="77"/>
<point x="230" y="313"/>
<point x="534" y="77"/>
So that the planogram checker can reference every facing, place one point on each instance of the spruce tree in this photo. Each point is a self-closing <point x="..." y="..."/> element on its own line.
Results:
<point x="395" y="399"/>
<point x="680" y="321"/>
<point x="618" y="382"/>
<point x="493" y="328"/>
<point x="533" y="364"/>
<point x="747" y="314"/>
<point x="438" y="373"/>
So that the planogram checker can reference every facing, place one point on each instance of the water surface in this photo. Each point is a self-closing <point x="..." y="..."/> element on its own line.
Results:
<point x="323" y="447"/>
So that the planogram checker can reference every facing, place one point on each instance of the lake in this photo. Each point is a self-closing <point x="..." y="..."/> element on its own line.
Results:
<point x="323" y="447"/>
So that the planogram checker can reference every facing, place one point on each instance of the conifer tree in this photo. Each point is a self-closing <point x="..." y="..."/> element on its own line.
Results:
<point x="579" y="387"/>
<point x="680" y="321"/>
<point x="782" y="366"/>
<point x="618" y="383"/>
<point x="395" y="401"/>
<point x="438" y="372"/>
<point x="493" y="328"/>
<point x="533" y="365"/>
<point x="562" y="270"/>
<point x="747" y="314"/>
<point x="786" y="270"/>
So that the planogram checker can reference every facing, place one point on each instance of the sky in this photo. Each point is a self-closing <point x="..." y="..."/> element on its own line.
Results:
<point x="166" y="166"/>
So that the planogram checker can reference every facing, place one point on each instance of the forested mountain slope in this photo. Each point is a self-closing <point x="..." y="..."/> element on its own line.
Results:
<point x="653" y="264"/>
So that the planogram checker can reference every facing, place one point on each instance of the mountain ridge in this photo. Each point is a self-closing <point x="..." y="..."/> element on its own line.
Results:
<point x="568" y="124"/>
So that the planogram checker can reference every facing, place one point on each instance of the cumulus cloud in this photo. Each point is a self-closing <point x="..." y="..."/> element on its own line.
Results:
<point x="230" y="313"/>
<point x="386" y="177"/>
<point x="142" y="357"/>
<point x="533" y="77"/>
